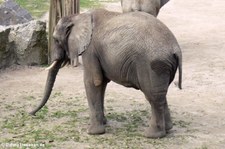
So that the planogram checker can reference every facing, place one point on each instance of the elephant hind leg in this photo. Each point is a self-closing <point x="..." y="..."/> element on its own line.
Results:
<point x="155" y="88"/>
<point x="157" y="130"/>
<point x="157" y="124"/>
<point x="168" y="121"/>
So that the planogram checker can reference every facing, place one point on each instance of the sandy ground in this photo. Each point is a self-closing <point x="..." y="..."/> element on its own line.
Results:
<point x="198" y="110"/>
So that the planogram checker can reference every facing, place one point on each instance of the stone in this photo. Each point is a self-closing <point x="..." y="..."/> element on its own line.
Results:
<point x="7" y="54"/>
<point x="24" y="44"/>
<point x="31" y="44"/>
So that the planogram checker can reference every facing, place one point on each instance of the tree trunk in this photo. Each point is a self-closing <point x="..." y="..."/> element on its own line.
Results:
<point x="58" y="9"/>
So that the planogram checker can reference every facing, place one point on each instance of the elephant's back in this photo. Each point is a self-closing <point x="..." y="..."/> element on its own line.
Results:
<point x="136" y="30"/>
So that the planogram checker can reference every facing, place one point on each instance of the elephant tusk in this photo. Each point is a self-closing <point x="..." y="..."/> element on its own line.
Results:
<point x="51" y="66"/>
<point x="63" y="64"/>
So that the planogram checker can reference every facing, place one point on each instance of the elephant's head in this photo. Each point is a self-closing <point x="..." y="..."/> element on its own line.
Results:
<point x="149" y="6"/>
<point x="72" y="36"/>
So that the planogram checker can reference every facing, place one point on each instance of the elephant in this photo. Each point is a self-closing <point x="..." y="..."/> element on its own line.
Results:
<point x="132" y="49"/>
<point x="150" y="6"/>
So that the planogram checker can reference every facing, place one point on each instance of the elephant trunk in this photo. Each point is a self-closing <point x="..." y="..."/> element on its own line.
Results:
<point x="53" y="70"/>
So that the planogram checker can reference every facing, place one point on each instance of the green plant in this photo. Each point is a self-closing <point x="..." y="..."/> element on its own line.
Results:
<point x="203" y="147"/>
<point x="42" y="113"/>
<point x="182" y="124"/>
<point x="89" y="3"/>
<point x="29" y="98"/>
<point x="37" y="8"/>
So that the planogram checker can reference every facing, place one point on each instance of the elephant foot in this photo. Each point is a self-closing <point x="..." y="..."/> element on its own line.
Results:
<point x="104" y="121"/>
<point x="169" y="125"/>
<point x="96" y="130"/>
<point x="154" y="134"/>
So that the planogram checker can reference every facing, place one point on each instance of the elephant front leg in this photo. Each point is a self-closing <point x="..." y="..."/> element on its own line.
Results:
<point x="95" y="96"/>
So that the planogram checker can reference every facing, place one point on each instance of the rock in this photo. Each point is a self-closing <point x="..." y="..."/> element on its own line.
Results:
<point x="31" y="44"/>
<point x="7" y="54"/>
<point x="11" y="13"/>
<point x="24" y="44"/>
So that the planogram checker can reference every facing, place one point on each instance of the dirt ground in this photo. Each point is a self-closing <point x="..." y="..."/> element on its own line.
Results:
<point x="198" y="110"/>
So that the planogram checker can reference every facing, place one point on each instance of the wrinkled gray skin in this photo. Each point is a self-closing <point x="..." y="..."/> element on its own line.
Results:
<point x="149" y="6"/>
<point x="142" y="54"/>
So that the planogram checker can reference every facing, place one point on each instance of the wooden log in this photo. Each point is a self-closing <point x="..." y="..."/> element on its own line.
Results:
<point x="58" y="9"/>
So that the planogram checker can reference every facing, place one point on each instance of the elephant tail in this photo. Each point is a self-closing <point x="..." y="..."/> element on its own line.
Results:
<point x="179" y="60"/>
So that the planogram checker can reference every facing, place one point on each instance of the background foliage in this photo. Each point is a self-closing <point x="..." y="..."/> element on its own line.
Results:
<point x="38" y="8"/>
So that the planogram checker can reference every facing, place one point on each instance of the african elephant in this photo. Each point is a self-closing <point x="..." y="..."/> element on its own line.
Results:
<point x="149" y="6"/>
<point x="132" y="49"/>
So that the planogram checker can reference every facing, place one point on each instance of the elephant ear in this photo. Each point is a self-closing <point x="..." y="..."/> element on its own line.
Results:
<point x="81" y="32"/>
<point x="163" y="2"/>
